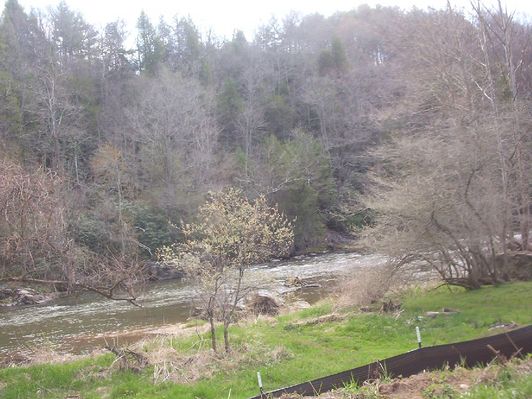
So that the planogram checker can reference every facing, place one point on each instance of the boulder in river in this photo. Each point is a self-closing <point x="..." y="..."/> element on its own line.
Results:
<point x="264" y="303"/>
<point x="162" y="272"/>
<point x="23" y="296"/>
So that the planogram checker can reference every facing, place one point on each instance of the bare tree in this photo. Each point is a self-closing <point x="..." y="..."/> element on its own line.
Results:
<point x="35" y="245"/>
<point x="173" y="137"/>
<point x="504" y="58"/>
<point x="439" y="201"/>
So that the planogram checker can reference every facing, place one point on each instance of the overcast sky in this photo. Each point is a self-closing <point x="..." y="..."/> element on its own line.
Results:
<point x="226" y="16"/>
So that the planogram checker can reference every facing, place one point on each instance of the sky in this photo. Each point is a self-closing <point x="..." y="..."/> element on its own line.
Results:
<point x="223" y="17"/>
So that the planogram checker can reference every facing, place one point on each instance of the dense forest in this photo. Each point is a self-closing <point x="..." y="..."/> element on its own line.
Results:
<point x="410" y="129"/>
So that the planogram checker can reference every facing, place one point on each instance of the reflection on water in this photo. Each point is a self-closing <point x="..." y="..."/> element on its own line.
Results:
<point x="74" y="324"/>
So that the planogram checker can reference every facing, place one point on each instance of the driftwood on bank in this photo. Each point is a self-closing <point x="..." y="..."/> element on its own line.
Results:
<point x="128" y="359"/>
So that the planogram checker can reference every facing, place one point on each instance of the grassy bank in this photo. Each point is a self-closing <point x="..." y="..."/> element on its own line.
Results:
<point x="286" y="350"/>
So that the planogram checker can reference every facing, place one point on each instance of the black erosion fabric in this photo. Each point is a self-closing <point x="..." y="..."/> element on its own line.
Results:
<point x="469" y="353"/>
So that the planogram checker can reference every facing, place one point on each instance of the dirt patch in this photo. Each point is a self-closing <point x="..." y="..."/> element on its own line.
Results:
<point x="435" y="384"/>
<point x="44" y="355"/>
<point x="130" y="336"/>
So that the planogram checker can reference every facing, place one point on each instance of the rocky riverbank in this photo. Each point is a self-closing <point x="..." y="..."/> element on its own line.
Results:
<point x="24" y="296"/>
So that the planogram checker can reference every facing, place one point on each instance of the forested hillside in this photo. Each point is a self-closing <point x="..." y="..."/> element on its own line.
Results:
<point x="416" y="123"/>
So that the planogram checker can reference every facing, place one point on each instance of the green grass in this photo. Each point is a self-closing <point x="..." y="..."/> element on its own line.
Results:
<point x="314" y="350"/>
<point x="511" y="387"/>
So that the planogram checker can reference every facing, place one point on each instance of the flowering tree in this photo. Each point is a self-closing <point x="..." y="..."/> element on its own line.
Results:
<point x="231" y="233"/>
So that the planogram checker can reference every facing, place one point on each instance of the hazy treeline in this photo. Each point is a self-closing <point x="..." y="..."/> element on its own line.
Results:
<point x="125" y="142"/>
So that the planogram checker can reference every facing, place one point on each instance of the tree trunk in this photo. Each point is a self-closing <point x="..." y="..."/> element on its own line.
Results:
<point x="229" y="316"/>
<point x="226" y="338"/>
<point x="213" y="333"/>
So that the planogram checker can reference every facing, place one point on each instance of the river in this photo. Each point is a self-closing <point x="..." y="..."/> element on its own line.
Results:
<point x="78" y="324"/>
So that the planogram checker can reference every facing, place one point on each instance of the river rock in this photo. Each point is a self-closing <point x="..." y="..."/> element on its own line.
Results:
<point x="27" y="296"/>
<point x="162" y="272"/>
<point x="264" y="303"/>
<point x="23" y="296"/>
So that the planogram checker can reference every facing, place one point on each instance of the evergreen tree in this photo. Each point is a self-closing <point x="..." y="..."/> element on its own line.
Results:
<point x="150" y="50"/>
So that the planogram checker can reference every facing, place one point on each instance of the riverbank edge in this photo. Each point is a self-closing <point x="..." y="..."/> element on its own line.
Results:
<point x="478" y="311"/>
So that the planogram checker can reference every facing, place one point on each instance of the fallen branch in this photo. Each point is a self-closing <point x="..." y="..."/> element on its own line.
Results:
<point x="106" y="292"/>
<point x="127" y="358"/>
